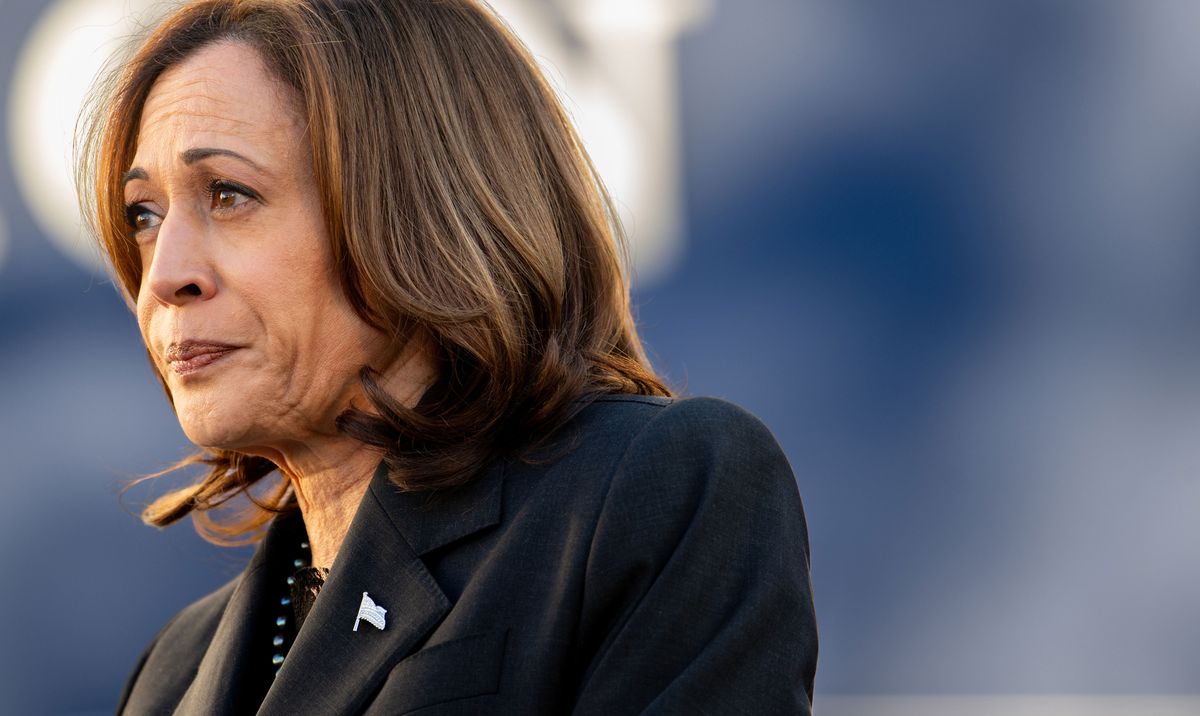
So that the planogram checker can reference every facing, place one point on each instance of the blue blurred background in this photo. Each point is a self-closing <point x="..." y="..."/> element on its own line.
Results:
<point x="947" y="251"/>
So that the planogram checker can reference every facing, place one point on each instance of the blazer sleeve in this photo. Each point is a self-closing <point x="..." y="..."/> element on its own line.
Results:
<point x="697" y="585"/>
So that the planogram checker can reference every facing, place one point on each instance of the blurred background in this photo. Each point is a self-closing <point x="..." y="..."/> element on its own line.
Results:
<point x="947" y="251"/>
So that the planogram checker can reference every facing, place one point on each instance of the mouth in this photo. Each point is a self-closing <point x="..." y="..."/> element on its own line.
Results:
<point x="188" y="357"/>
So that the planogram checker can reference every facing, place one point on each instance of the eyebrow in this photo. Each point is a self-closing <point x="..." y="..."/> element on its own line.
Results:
<point x="135" y="173"/>
<point x="191" y="156"/>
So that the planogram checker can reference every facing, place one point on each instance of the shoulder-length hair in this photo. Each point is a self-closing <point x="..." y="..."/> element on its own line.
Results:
<point x="459" y="202"/>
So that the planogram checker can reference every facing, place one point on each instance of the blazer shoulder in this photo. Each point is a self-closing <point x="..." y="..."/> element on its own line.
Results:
<point x="705" y="439"/>
<point x="625" y="413"/>
<point x="711" y="414"/>
<point x="684" y="422"/>
<point x="648" y="407"/>
<point x="689" y="440"/>
<point x="169" y="662"/>
<point x="604" y="425"/>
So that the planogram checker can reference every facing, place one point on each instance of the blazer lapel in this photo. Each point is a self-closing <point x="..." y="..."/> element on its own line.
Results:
<point x="332" y="669"/>
<point x="219" y="678"/>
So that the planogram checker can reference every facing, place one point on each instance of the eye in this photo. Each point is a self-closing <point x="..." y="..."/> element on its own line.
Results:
<point x="227" y="196"/>
<point x="138" y="217"/>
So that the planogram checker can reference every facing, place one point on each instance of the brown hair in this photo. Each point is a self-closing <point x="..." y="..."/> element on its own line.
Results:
<point x="459" y="201"/>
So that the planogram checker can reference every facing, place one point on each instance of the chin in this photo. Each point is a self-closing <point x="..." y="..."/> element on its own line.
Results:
<point x="215" y="428"/>
<point x="214" y="437"/>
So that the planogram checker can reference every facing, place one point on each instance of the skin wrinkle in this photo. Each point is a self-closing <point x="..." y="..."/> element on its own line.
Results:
<point x="267" y="284"/>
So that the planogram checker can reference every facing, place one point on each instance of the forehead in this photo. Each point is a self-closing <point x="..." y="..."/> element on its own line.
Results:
<point x="221" y="95"/>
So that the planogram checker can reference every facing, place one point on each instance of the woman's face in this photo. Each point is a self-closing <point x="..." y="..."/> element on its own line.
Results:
<point x="239" y="303"/>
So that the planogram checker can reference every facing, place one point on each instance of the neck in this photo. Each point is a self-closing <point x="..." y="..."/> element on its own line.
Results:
<point x="329" y="489"/>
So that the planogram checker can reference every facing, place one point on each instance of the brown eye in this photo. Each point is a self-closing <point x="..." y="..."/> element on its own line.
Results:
<point x="225" y="199"/>
<point x="227" y="196"/>
<point x="139" y="218"/>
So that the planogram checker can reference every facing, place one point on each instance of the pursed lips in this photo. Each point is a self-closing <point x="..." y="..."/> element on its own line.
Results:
<point x="191" y="355"/>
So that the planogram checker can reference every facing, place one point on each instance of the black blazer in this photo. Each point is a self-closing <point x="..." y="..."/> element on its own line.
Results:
<point x="659" y="566"/>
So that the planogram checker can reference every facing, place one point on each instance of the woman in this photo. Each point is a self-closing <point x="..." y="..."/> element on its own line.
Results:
<point x="379" y="280"/>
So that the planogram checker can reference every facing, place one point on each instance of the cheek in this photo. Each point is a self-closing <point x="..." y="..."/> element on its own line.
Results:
<point x="144" y="317"/>
<point x="330" y="332"/>
<point x="301" y="289"/>
<point x="141" y="299"/>
<point x="328" y="336"/>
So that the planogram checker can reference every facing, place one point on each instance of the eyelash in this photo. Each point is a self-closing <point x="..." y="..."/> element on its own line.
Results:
<point x="214" y="186"/>
<point x="218" y="185"/>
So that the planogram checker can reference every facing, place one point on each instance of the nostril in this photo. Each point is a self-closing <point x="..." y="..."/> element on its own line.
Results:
<point x="189" y="290"/>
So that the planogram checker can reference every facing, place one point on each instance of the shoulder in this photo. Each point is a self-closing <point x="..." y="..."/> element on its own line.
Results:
<point x="667" y="423"/>
<point x="169" y="662"/>
<point x="665" y="465"/>
<point x="631" y="453"/>
<point x="692" y="440"/>
<point x="700" y="412"/>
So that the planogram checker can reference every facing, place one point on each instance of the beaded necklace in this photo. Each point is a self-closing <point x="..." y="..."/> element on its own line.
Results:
<point x="280" y="640"/>
<point x="303" y="586"/>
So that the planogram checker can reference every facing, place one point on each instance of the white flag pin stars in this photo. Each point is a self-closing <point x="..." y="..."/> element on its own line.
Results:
<point x="371" y="612"/>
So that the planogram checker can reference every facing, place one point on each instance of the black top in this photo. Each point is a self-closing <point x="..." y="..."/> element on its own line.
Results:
<point x="306" y="585"/>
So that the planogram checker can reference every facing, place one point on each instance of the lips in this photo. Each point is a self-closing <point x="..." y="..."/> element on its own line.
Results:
<point x="190" y="356"/>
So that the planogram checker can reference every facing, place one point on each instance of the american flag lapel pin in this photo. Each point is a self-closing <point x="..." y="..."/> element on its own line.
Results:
<point x="371" y="612"/>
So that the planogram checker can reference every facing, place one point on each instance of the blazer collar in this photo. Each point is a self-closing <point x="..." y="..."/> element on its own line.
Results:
<point x="333" y="669"/>
<point x="428" y="521"/>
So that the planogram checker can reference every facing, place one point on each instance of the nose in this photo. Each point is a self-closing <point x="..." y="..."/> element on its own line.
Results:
<point x="181" y="270"/>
